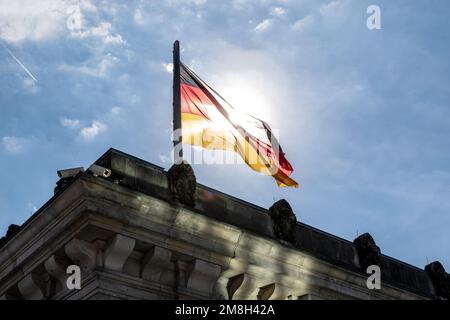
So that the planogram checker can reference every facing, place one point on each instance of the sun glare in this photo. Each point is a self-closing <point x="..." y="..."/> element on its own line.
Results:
<point x="247" y="99"/>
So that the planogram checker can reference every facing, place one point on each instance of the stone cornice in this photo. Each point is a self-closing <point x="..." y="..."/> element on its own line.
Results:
<point x="218" y="247"/>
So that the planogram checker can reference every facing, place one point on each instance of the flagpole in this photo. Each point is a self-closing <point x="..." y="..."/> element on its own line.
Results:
<point x="177" y="137"/>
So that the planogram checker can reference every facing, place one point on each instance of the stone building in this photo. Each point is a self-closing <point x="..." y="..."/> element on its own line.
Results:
<point x="138" y="232"/>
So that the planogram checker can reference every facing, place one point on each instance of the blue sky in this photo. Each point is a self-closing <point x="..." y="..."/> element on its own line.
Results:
<point x="363" y="115"/>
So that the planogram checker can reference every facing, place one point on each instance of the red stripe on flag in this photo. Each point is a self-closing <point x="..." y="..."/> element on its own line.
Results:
<point x="193" y="100"/>
<point x="279" y="162"/>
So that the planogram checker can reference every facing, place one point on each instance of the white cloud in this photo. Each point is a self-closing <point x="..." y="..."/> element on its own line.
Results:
<point x="178" y="3"/>
<point x="22" y="20"/>
<point x="116" y="110"/>
<point x="30" y="85"/>
<point x="263" y="25"/>
<point x="89" y="133"/>
<point x="168" y="67"/>
<point x="110" y="7"/>
<point x="31" y="20"/>
<point x="102" y="31"/>
<point x="69" y="123"/>
<point x="15" y="145"/>
<point x="137" y="16"/>
<point x="199" y="2"/>
<point x="329" y="8"/>
<point x="143" y="16"/>
<point x="277" y="11"/>
<point x="99" y="69"/>
<point x="80" y="28"/>
<point x="302" y="23"/>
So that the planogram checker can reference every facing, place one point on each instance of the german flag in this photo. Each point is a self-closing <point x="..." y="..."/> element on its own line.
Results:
<point x="208" y="121"/>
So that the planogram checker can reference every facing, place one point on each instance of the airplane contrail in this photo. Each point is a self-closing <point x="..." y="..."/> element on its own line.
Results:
<point x="20" y="64"/>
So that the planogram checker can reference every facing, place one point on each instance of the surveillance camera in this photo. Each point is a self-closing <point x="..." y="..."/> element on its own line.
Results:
<point x="100" y="171"/>
<point x="69" y="173"/>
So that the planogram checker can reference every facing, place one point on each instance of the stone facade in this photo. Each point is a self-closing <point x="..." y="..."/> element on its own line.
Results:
<point x="143" y="233"/>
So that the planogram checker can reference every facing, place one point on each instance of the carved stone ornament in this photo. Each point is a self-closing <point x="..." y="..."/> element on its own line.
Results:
<point x="284" y="220"/>
<point x="368" y="251"/>
<point x="11" y="232"/>
<point x="182" y="183"/>
<point x="439" y="278"/>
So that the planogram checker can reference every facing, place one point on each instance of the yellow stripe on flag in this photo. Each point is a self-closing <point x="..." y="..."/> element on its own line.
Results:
<point x="201" y="132"/>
